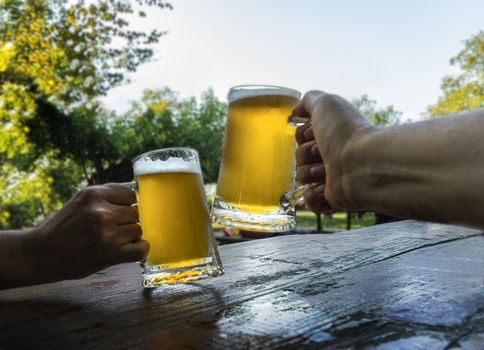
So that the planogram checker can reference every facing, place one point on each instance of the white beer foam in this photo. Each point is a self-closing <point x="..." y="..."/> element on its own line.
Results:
<point x="244" y="91"/>
<point x="171" y="165"/>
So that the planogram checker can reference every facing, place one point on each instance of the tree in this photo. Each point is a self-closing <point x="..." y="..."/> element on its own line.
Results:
<point x="378" y="116"/>
<point x="73" y="51"/>
<point x="160" y="120"/>
<point x="63" y="53"/>
<point x="56" y="58"/>
<point x="464" y="91"/>
<point x="106" y="143"/>
<point x="202" y="127"/>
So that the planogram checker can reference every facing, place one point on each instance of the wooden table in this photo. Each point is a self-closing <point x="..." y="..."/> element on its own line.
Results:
<point x="405" y="285"/>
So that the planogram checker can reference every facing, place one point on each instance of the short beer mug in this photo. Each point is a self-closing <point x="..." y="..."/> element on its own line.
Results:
<point x="258" y="162"/>
<point x="174" y="218"/>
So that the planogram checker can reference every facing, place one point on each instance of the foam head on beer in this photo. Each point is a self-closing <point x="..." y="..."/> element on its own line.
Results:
<point x="145" y="165"/>
<point x="241" y="92"/>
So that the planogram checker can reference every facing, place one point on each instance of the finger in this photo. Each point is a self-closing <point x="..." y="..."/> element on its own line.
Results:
<point x="308" y="153"/>
<point x="310" y="173"/>
<point x="304" y="108"/>
<point x="315" y="200"/>
<point x="300" y="111"/>
<point x="119" y="194"/>
<point x="304" y="133"/>
<point x="125" y="214"/>
<point x="129" y="233"/>
<point x="133" y="251"/>
<point x="308" y="99"/>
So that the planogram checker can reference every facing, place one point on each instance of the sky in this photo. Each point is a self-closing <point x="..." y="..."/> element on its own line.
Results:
<point x="395" y="51"/>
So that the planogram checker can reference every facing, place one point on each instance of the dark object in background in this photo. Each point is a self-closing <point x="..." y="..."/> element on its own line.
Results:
<point x="384" y="219"/>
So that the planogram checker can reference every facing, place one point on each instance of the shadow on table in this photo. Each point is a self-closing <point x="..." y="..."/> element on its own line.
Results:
<point x="62" y="323"/>
<point x="36" y="324"/>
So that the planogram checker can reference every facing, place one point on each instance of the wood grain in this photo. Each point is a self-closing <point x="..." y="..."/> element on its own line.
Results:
<point x="401" y="285"/>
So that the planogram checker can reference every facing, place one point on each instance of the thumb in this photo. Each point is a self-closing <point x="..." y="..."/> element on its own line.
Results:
<point x="305" y="106"/>
<point x="334" y="120"/>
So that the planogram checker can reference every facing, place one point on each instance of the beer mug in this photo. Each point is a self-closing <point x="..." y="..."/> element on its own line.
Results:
<point x="258" y="161"/>
<point x="174" y="218"/>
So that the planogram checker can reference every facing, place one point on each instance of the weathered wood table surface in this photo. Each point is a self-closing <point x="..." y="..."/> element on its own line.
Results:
<point x="405" y="285"/>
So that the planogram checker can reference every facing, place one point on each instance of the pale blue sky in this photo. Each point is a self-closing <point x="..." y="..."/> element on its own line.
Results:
<point x="396" y="51"/>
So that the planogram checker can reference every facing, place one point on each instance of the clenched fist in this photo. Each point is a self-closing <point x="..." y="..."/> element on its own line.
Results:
<point x="324" y="154"/>
<point x="95" y="229"/>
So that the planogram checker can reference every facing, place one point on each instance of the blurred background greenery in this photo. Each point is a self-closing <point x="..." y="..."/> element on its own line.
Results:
<point x="59" y="57"/>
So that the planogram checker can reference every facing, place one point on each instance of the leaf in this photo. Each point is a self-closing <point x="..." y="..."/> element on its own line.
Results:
<point x="464" y="91"/>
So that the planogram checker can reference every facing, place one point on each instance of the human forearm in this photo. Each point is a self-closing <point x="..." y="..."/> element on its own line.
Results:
<point x="432" y="170"/>
<point x="18" y="267"/>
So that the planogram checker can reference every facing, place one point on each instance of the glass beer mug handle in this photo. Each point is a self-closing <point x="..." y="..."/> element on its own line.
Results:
<point x="289" y="199"/>
<point x="297" y="121"/>
<point x="131" y="185"/>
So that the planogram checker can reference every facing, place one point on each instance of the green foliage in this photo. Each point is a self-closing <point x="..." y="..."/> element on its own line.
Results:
<point x="464" y="91"/>
<point x="160" y="120"/>
<point x="67" y="150"/>
<point x="56" y="58"/>
<point x="25" y="195"/>
<point x="74" y="50"/>
<point x="336" y="221"/>
<point x="201" y="127"/>
<point x="378" y="116"/>
<point x="16" y="108"/>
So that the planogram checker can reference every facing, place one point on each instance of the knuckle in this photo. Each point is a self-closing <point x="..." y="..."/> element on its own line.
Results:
<point x="122" y="189"/>
<point x="313" y="94"/>
<point x="102" y="215"/>
<point x="105" y="236"/>
<point x="300" y="138"/>
<point x="303" y="153"/>
<point x="89" y="194"/>
<point x="118" y="187"/>
<point x="140" y="252"/>
<point x="134" y="233"/>
<point x="114" y="185"/>
<point x="134" y="213"/>
<point x="328" y="100"/>
<point x="138" y="232"/>
<point x="299" y="131"/>
<point x="302" y="174"/>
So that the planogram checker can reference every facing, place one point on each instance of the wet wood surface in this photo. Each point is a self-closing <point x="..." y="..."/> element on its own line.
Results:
<point x="405" y="285"/>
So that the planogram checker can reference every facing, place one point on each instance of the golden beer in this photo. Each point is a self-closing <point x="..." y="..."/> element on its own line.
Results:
<point x="174" y="218"/>
<point x="258" y="163"/>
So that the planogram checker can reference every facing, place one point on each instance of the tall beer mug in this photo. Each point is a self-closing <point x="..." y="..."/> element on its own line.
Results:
<point x="174" y="218"/>
<point x="258" y="161"/>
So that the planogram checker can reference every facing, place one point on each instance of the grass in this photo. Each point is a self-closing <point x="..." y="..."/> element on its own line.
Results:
<point x="307" y="219"/>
